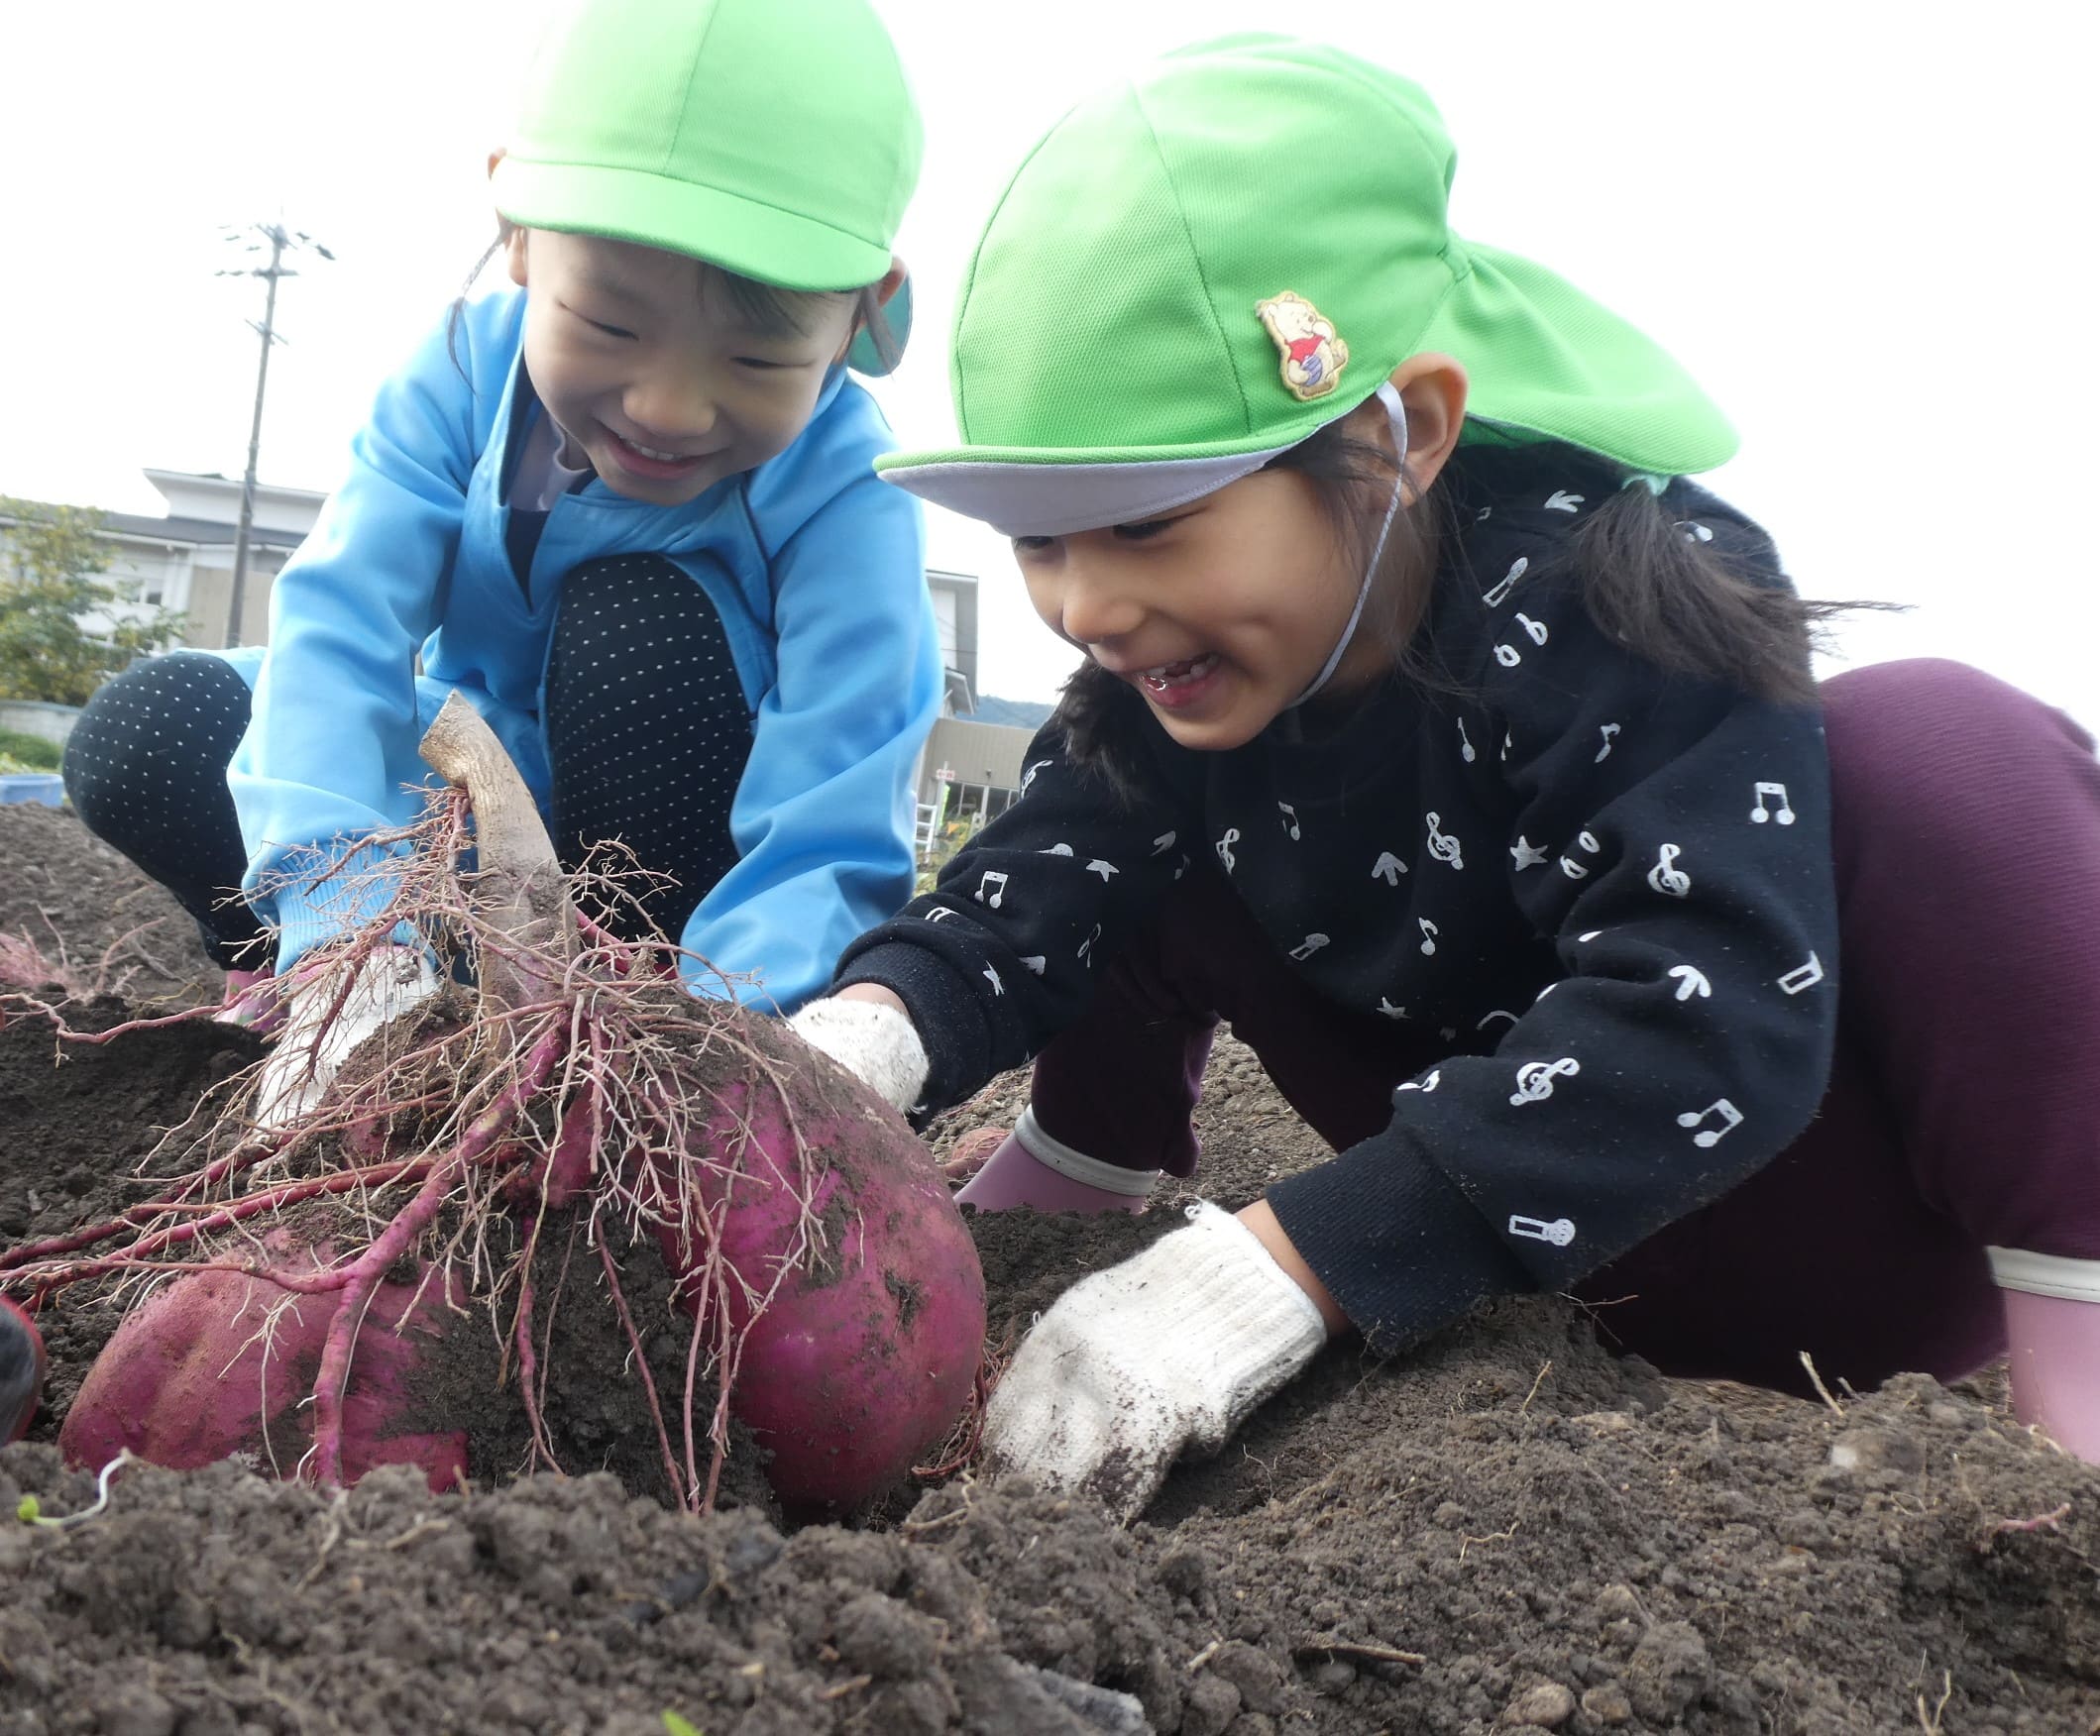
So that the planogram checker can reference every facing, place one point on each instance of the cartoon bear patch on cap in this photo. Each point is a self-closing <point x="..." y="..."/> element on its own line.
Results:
<point x="1313" y="353"/>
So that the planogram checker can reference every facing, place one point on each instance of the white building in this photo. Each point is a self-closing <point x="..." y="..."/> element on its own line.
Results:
<point x="183" y="560"/>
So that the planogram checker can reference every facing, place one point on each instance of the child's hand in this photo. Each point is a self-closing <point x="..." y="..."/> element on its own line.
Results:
<point x="867" y="1031"/>
<point x="327" y="1017"/>
<point x="1167" y="1352"/>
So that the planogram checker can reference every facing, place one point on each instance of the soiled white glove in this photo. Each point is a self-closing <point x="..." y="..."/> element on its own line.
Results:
<point x="309" y="1052"/>
<point x="1165" y="1354"/>
<point x="877" y="1044"/>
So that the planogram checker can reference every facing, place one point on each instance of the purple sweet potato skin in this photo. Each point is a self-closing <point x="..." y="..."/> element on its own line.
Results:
<point x="865" y="1360"/>
<point x="192" y="1376"/>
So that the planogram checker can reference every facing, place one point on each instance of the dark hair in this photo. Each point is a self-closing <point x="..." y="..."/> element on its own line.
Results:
<point x="766" y="305"/>
<point x="1690" y="606"/>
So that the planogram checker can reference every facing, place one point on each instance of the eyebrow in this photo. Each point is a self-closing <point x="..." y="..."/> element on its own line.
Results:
<point x="613" y="290"/>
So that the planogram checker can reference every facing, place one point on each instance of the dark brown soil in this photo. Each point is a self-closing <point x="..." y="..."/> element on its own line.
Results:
<point x="91" y="913"/>
<point x="1509" y="1528"/>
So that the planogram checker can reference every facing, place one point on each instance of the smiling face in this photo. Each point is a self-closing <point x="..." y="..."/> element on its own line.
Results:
<point x="650" y="365"/>
<point x="1222" y="613"/>
<point x="1219" y="614"/>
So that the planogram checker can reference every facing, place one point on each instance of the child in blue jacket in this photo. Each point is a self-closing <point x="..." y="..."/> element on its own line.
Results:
<point x="629" y="508"/>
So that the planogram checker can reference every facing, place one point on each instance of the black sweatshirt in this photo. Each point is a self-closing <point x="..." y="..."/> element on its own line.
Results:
<point x="1606" y="888"/>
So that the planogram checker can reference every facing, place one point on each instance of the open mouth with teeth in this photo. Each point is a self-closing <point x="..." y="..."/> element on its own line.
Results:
<point x="1165" y="680"/>
<point x="648" y="461"/>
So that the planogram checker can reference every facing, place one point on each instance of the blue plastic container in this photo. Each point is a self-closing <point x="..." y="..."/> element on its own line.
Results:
<point x="44" y="787"/>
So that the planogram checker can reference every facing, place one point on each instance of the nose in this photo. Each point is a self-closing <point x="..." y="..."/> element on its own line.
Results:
<point x="675" y="406"/>
<point x="1096" y="605"/>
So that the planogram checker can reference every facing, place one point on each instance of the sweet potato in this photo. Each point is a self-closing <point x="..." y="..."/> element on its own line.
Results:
<point x="835" y="1291"/>
<point x="866" y="1353"/>
<point x="220" y="1364"/>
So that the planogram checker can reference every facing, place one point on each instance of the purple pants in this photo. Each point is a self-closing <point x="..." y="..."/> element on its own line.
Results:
<point x="1962" y="1110"/>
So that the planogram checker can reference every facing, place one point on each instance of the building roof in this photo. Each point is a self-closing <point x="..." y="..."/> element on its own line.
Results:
<point x="201" y="532"/>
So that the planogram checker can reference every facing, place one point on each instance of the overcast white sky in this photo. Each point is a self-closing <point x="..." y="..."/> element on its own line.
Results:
<point x="1869" y="229"/>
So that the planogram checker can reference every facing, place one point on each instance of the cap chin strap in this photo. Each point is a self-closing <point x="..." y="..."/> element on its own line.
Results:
<point x="1396" y="414"/>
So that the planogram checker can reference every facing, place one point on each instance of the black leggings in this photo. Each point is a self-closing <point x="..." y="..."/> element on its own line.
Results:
<point x="647" y="737"/>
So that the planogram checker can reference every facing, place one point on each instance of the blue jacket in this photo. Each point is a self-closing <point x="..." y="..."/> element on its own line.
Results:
<point x="816" y="567"/>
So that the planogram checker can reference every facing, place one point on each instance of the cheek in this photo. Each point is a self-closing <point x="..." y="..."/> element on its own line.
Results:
<point x="553" y="364"/>
<point x="770" y="418"/>
<point x="1045" y="597"/>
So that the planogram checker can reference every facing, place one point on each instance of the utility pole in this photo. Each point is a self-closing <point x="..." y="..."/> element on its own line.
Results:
<point x="282" y="241"/>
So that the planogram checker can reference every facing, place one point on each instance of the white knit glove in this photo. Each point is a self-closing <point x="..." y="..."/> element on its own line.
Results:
<point x="877" y="1044"/>
<point x="391" y="981"/>
<point x="1165" y="1354"/>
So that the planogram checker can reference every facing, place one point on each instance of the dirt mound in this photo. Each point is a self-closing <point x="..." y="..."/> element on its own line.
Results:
<point x="94" y="915"/>
<point x="1511" y="1527"/>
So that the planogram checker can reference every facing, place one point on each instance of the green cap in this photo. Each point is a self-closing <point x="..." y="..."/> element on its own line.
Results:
<point x="776" y="138"/>
<point x="1198" y="268"/>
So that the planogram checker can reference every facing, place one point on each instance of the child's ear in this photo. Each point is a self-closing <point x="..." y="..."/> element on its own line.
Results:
<point x="509" y="236"/>
<point x="887" y="287"/>
<point x="1432" y="389"/>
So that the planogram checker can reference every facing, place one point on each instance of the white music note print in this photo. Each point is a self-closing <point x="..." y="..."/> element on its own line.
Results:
<point x="1691" y="980"/>
<point x="1429" y="934"/>
<point x="1694" y="531"/>
<point x="1056" y="851"/>
<point x="1560" y="1230"/>
<point x="1607" y="730"/>
<point x="1508" y="656"/>
<point x="992" y="976"/>
<point x="1708" y="1137"/>
<point x="1802" y="976"/>
<point x="1087" y="945"/>
<point x="1307" y="948"/>
<point x="940" y="914"/>
<point x="1442" y="845"/>
<point x="1674" y="882"/>
<point x="1029" y="777"/>
<point x="1386" y="1006"/>
<point x="1036" y="963"/>
<point x="1487" y="1019"/>
<point x="1428" y="1083"/>
<point x="1495" y="597"/>
<point x="1508" y="741"/>
<point x="1560" y="500"/>
<point x="1534" y="1079"/>
<point x="1537" y="630"/>
<point x="1579" y="870"/>
<point x="1784" y="814"/>
<point x="1387" y="868"/>
<point x="1104" y="869"/>
<point x="993" y="882"/>
<point x="1291" y="820"/>
<point x="1223" y="846"/>
<point x="1465" y="752"/>
<point x="1163" y="843"/>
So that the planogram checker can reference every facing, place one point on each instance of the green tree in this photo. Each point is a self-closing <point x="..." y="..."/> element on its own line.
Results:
<point x="51" y="581"/>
